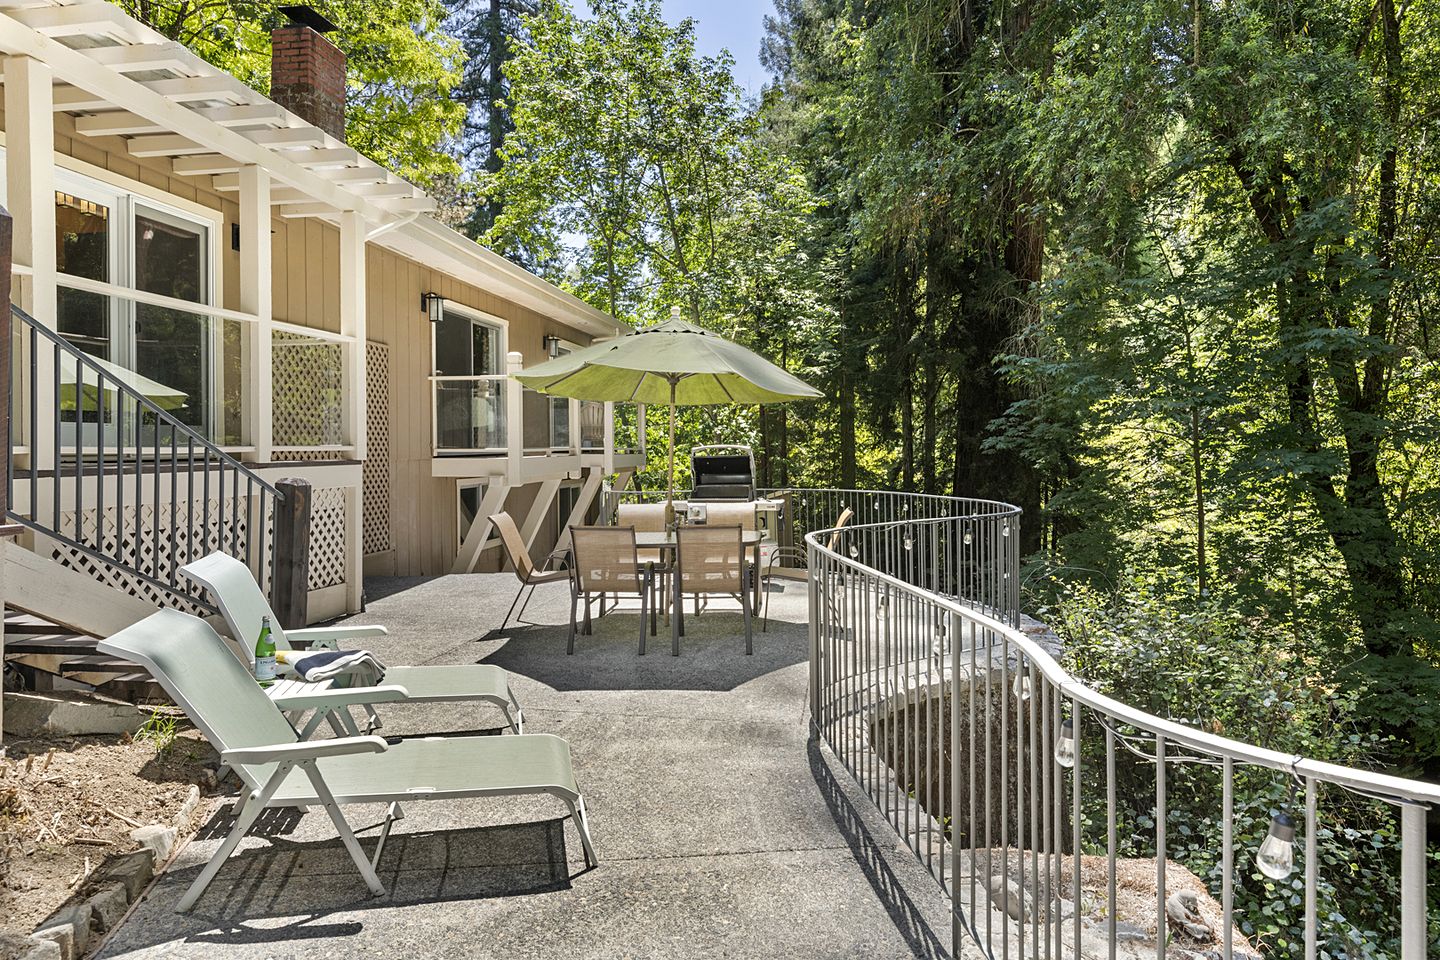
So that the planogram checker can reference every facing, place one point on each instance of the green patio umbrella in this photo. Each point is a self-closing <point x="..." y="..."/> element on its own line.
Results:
<point x="675" y="363"/>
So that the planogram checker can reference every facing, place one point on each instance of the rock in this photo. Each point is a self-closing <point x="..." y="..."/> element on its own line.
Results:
<point x="1006" y="896"/>
<point x="133" y="871"/>
<point x="68" y="713"/>
<point x="63" y="937"/>
<point x="38" y="949"/>
<point x="1129" y="933"/>
<point x="158" y="840"/>
<point x="28" y="948"/>
<point x="1182" y="910"/>
<point x="70" y="927"/>
<point x="107" y="906"/>
<point x="187" y="809"/>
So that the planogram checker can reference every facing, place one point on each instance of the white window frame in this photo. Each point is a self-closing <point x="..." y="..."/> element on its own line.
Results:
<point x="122" y="194"/>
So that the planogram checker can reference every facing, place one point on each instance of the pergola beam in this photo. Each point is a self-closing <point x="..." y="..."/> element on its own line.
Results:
<point x="101" y="70"/>
<point x="117" y="123"/>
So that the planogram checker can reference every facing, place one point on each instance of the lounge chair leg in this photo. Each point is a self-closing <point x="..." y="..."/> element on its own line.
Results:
<point x="372" y="719"/>
<point x="582" y="824"/>
<point x="347" y="836"/>
<point x="516" y="720"/>
<point x="249" y="812"/>
<point x="393" y="813"/>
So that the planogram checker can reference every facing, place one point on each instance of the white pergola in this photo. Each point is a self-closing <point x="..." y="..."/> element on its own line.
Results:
<point x="119" y="78"/>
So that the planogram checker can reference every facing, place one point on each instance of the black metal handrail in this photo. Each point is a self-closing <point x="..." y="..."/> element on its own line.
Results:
<point x="176" y="455"/>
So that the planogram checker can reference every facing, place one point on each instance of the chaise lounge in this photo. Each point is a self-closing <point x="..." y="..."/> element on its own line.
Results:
<point x="279" y="769"/>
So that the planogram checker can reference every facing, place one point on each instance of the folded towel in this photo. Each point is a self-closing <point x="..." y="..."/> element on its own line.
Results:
<point x="361" y="665"/>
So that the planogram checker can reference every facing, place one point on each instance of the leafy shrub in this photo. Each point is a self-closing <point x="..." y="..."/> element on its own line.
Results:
<point x="1199" y="663"/>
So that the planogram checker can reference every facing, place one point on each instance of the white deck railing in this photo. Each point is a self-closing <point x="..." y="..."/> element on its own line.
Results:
<point x="995" y="765"/>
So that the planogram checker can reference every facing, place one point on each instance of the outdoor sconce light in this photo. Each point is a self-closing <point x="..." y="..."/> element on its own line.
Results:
<point x="1276" y="858"/>
<point x="1065" y="745"/>
<point x="1022" y="687"/>
<point x="433" y="306"/>
<point x="551" y="345"/>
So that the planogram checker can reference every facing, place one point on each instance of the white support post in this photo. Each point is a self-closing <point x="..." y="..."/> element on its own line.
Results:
<point x="256" y="297"/>
<point x="514" y="416"/>
<point x="640" y="429"/>
<point x="608" y="459"/>
<point x="352" y="324"/>
<point x="576" y="426"/>
<point x="30" y="176"/>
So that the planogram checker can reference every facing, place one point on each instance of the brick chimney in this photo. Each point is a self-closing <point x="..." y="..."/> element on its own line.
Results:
<point x="307" y="72"/>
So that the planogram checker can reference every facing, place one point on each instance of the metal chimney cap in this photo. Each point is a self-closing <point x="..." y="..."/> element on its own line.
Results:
<point x="309" y="17"/>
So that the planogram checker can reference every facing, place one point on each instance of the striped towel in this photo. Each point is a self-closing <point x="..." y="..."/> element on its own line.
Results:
<point x="360" y="666"/>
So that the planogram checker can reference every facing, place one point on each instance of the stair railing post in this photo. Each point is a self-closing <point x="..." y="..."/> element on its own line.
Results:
<point x="289" y="595"/>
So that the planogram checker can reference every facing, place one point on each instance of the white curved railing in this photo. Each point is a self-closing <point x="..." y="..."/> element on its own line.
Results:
<point x="956" y="724"/>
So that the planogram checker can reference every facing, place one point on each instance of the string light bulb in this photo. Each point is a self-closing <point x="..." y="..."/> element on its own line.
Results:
<point x="1276" y="858"/>
<point x="1065" y="745"/>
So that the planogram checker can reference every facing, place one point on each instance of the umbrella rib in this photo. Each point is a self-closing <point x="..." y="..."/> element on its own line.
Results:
<point x="728" y="395"/>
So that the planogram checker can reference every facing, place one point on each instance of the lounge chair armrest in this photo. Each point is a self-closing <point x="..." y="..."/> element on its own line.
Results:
<point x="341" y="697"/>
<point x="305" y="750"/>
<point x="310" y="635"/>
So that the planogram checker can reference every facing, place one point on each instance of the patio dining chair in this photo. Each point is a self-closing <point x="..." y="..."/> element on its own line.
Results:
<point x="280" y="769"/>
<point x="650" y="518"/>
<point x="243" y="606"/>
<point x="710" y="560"/>
<point x="604" y="560"/>
<point x="796" y="554"/>
<point x="525" y="571"/>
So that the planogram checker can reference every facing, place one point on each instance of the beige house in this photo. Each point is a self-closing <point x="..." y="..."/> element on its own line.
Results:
<point x="239" y="297"/>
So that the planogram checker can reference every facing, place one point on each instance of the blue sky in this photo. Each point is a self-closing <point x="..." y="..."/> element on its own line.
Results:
<point x="734" y="25"/>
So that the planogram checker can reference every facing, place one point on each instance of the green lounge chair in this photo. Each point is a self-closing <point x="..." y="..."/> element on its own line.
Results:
<point x="279" y="769"/>
<point x="243" y="605"/>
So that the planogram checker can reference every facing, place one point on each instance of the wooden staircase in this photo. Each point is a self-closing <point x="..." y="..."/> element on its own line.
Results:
<point x="41" y="655"/>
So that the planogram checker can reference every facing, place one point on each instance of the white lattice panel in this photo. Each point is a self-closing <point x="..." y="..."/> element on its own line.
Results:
<point x="327" y="537"/>
<point x="167" y="540"/>
<point x="376" y="469"/>
<point x="306" y="394"/>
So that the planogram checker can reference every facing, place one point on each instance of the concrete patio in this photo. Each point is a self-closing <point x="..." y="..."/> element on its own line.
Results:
<point x="722" y="831"/>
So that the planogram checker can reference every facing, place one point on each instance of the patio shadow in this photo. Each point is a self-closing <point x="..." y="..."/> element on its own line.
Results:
<point x="908" y="917"/>
<point x="712" y="653"/>
<point x="290" y="890"/>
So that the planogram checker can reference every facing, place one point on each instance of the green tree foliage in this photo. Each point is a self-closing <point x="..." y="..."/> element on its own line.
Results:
<point x="485" y="29"/>
<point x="636" y="176"/>
<point x="401" y="65"/>
<point x="1193" y="238"/>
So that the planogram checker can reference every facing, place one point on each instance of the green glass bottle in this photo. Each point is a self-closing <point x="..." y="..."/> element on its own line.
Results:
<point x="265" y="655"/>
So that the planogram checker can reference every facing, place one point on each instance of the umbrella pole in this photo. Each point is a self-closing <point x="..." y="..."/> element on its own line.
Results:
<point x="670" y="493"/>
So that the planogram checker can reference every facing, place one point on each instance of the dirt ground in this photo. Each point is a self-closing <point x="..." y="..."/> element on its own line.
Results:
<point x="66" y="804"/>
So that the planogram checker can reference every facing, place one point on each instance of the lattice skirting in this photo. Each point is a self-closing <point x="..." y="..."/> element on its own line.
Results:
<point x="158" y="554"/>
<point x="327" y="537"/>
<point x="166" y="542"/>
<point x="306" y="391"/>
<point x="376" y="469"/>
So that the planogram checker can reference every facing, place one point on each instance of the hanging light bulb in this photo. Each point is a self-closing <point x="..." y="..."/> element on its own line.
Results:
<point x="1276" y="858"/>
<point x="1065" y="745"/>
<point x="854" y="551"/>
